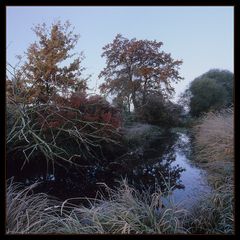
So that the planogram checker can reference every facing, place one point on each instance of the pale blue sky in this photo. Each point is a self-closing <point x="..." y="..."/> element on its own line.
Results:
<point x="200" y="36"/>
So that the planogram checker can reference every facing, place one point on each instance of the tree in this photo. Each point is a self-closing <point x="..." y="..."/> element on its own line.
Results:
<point x="224" y="78"/>
<point x="45" y="71"/>
<point x="137" y="69"/>
<point x="211" y="91"/>
<point x="160" y="112"/>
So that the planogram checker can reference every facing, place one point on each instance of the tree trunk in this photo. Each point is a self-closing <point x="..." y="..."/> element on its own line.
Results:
<point x="144" y="92"/>
<point x="135" y="104"/>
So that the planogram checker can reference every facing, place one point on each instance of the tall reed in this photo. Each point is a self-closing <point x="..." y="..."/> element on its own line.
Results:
<point x="214" y="150"/>
<point x="214" y="143"/>
<point x="27" y="212"/>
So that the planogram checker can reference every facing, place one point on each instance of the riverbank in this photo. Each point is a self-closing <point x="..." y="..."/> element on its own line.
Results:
<point x="214" y="152"/>
<point x="214" y="145"/>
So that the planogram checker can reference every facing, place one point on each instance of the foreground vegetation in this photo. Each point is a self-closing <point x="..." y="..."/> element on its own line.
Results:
<point x="214" y="151"/>
<point x="125" y="211"/>
<point x="214" y="144"/>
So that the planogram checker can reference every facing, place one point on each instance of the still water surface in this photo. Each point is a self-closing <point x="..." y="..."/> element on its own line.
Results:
<point x="163" y="159"/>
<point x="193" y="178"/>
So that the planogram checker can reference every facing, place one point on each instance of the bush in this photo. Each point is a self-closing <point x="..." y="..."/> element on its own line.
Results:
<point x="62" y="130"/>
<point x="158" y="111"/>
<point x="211" y="91"/>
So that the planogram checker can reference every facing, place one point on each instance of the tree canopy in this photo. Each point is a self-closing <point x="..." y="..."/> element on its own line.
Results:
<point x="50" y="68"/>
<point x="211" y="91"/>
<point x="136" y="69"/>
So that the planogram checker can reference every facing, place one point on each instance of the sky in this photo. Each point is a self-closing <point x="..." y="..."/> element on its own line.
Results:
<point x="202" y="37"/>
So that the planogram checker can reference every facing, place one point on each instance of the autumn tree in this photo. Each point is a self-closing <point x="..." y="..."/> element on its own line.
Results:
<point x="136" y="69"/>
<point x="50" y="68"/>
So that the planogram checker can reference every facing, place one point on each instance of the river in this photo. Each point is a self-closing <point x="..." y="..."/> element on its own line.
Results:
<point x="193" y="178"/>
<point x="163" y="158"/>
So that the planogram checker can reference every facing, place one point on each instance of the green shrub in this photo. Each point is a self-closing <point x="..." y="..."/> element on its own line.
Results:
<point x="211" y="91"/>
<point x="158" y="111"/>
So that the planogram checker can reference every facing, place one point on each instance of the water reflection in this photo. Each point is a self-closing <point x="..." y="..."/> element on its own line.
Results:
<point x="194" y="178"/>
<point x="160" y="160"/>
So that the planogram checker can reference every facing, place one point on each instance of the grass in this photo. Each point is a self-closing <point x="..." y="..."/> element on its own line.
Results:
<point x="141" y="134"/>
<point x="128" y="211"/>
<point x="214" y="141"/>
<point x="30" y="134"/>
<point x="125" y="211"/>
<point x="214" y="151"/>
<point x="214" y="213"/>
<point x="28" y="212"/>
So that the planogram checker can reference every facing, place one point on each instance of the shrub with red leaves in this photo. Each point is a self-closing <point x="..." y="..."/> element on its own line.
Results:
<point x="96" y="109"/>
<point x="73" y="129"/>
<point x="79" y="124"/>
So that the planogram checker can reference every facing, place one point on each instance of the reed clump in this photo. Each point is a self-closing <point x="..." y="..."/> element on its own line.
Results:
<point x="214" y="151"/>
<point x="126" y="210"/>
<point x="28" y="212"/>
<point x="214" y="144"/>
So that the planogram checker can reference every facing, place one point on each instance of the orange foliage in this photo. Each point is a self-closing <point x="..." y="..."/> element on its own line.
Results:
<point x="78" y="110"/>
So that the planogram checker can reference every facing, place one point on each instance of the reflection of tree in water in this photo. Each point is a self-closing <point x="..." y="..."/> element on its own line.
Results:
<point x="147" y="175"/>
<point x="152" y="164"/>
<point x="183" y="143"/>
<point x="143" y="166"/>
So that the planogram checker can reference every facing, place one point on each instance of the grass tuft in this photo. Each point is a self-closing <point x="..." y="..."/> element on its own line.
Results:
<point x="214" y="144"/>
<point x="129" y="211"/>
<point x="125" y="211"/>
<point x="214" y="150"/>
<point x="28" y="212"/>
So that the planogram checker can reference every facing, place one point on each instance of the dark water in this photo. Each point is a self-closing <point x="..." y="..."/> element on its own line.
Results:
<point x="162" y="160"/>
